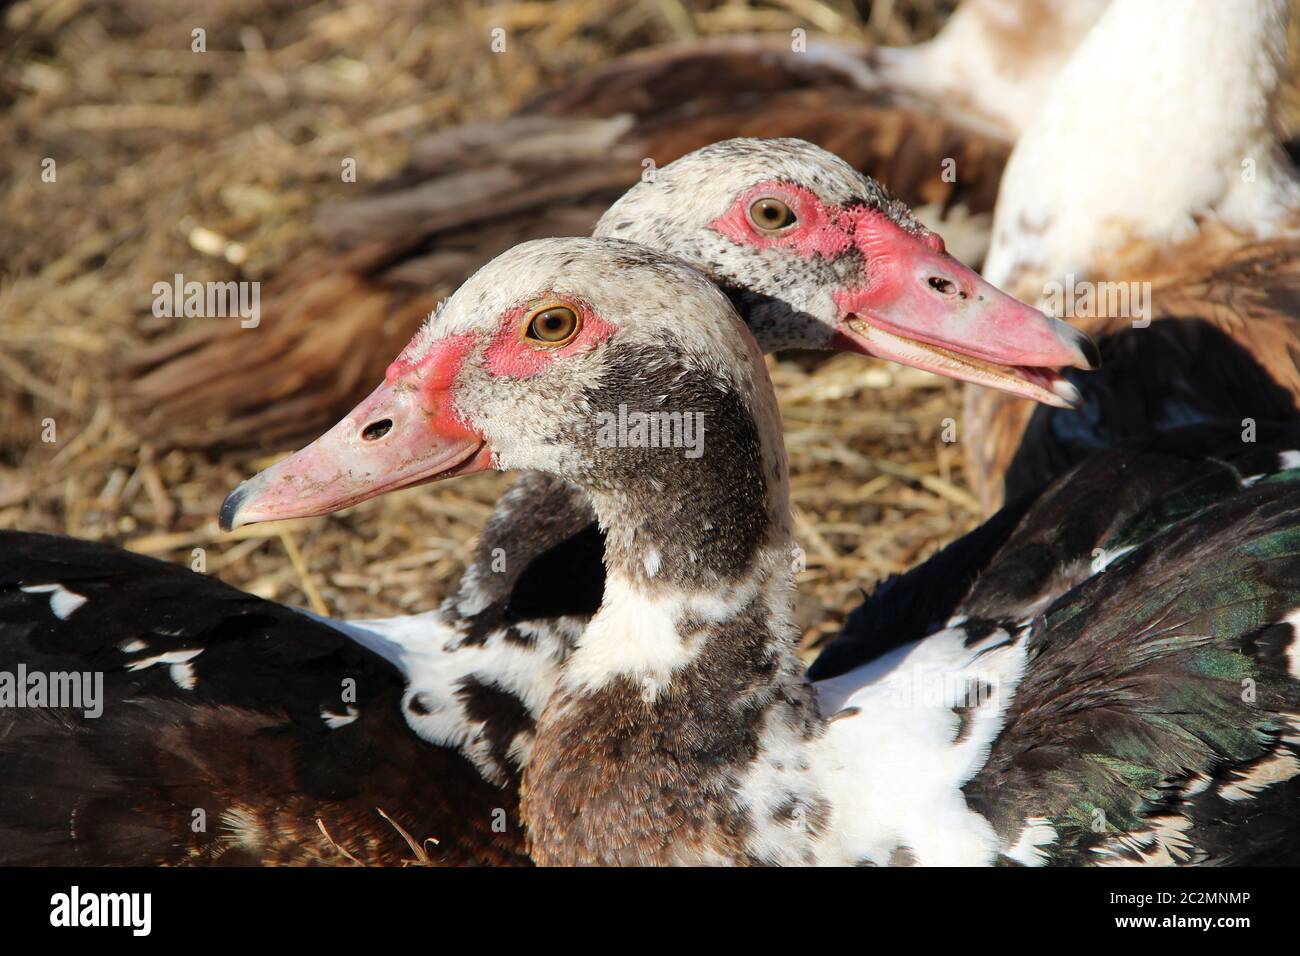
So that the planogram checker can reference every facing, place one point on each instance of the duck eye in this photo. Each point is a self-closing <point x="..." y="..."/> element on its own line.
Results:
<point x="552" y="325"/>
<point x="771" y="215"/>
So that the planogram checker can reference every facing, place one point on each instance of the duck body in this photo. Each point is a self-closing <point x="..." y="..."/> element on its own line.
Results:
<point x="231" y="730"/>
<point x="1149" y="716"/>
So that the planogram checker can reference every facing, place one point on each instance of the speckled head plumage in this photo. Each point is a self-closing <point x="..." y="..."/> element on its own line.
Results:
<point x="785" y="291"/>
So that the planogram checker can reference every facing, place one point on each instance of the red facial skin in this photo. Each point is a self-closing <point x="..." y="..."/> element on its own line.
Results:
<point x="432" y="374"/>
<point x="510" y="354"/>
<point x="820" y="230"/>
<point x="909" y="286"/>
<point x="409" y="430"/>
<point x="438" y="366"/>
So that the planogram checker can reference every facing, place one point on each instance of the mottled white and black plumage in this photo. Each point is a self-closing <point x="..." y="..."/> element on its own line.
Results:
<point x="1151" y="596"/>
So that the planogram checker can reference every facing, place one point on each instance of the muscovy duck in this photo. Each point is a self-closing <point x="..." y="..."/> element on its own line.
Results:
<point x="1144" y="709"/>
<point x="1179" y="251"/>
<point x="933" y="123"/>
<point x="475" y="674"/>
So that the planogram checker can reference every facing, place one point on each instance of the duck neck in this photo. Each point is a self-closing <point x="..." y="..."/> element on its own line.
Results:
<point x="1161" y="124"/>
<point x="687" y="675"/>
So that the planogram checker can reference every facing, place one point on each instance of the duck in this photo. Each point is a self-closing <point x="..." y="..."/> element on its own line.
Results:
<point x="208" y="727"/>
<point x="933" y="122"/>
<point x="1152" y="594"/>
<point x="1144" y="711"/>
<point x="463" y="683"/>
<point x="1178" y="252"/>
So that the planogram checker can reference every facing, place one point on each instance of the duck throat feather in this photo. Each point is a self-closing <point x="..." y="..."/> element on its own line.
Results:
<point x="686" y="675"/>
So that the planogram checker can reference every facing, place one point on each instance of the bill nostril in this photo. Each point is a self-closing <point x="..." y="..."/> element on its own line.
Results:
<point x="943" y="286"/>
<point x="377" y="429"/>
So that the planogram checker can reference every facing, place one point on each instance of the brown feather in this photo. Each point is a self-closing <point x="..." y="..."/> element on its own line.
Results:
<point x="1247" y="290"/>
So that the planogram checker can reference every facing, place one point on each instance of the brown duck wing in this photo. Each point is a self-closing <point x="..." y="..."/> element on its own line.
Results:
<point x="1223" y="345"/>
<point x="332" y="317"/>
<point x="696" y="75"/>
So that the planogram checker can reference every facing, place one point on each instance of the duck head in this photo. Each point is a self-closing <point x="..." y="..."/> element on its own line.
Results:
<point x="817" y="256"/>
<point x="533" y="363"/>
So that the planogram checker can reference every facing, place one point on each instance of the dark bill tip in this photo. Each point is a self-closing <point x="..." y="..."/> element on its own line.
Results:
<point x="230" y="508"/>
<point x="1088" y="349"/>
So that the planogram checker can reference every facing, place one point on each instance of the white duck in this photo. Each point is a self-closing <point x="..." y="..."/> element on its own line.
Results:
<point x="1154" y="206"/>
